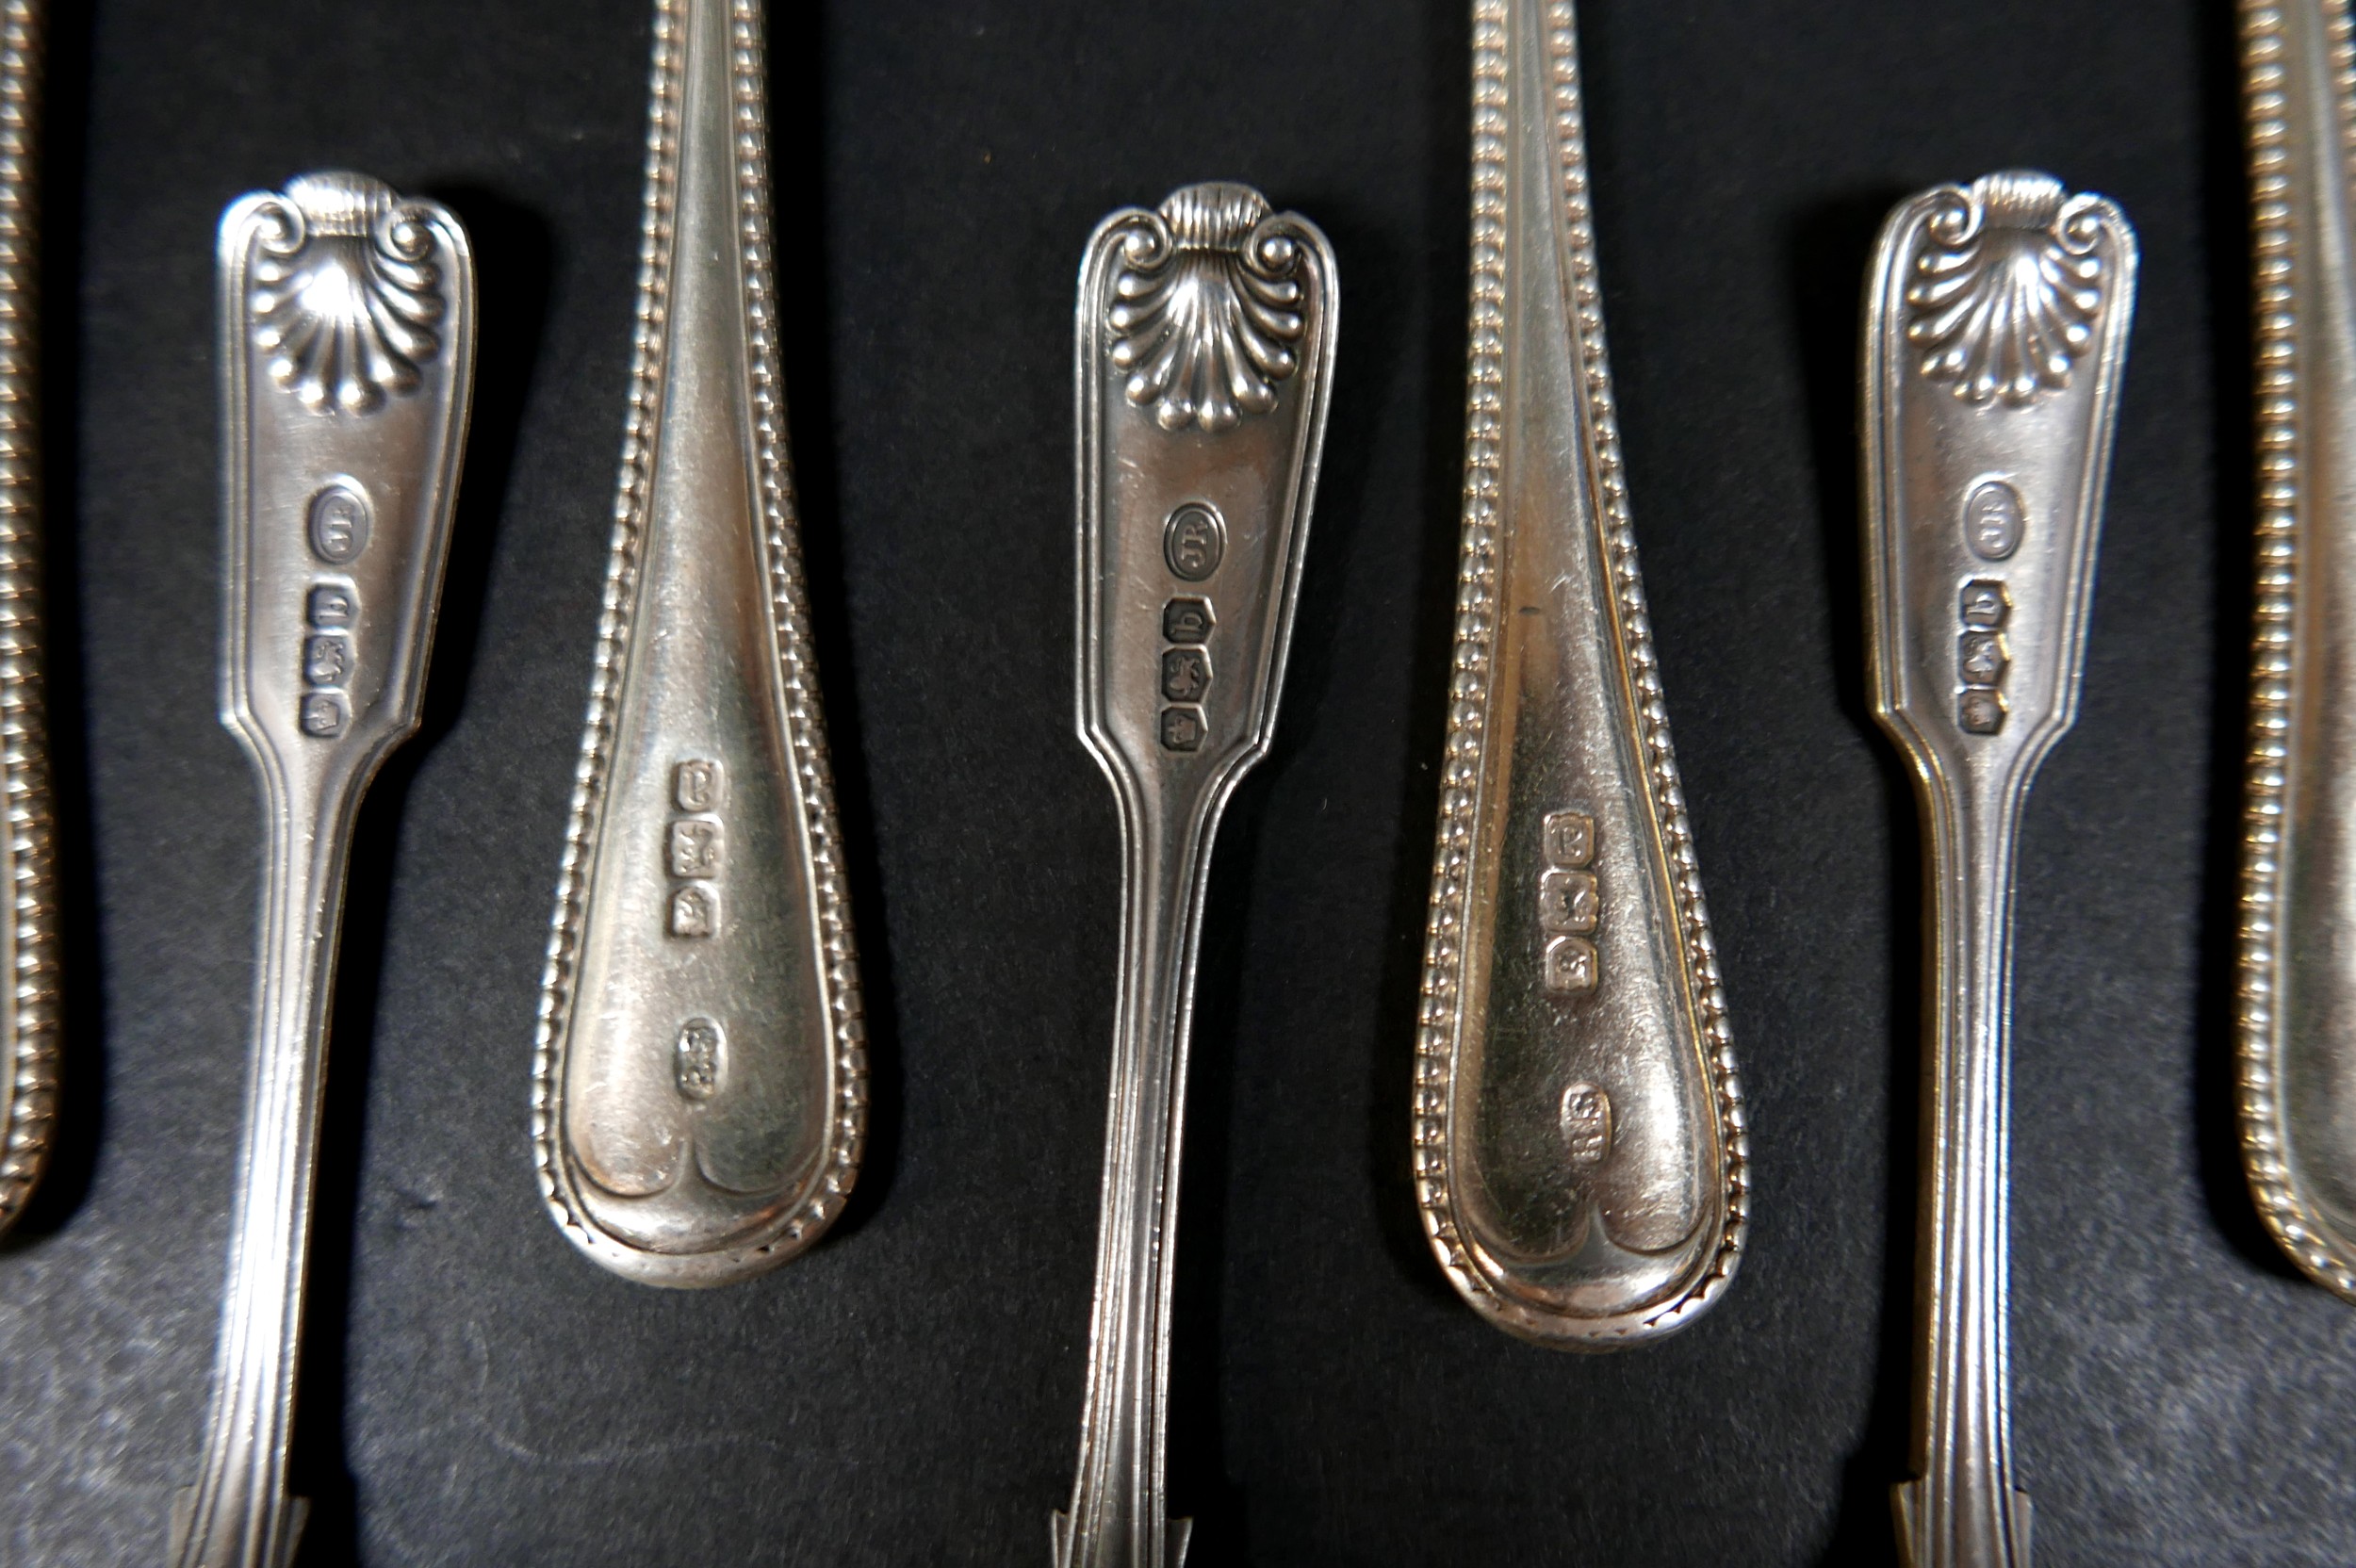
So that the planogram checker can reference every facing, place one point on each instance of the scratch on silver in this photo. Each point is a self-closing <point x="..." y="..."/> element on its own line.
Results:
<point x="2295" y="986"/>
<point x="701" y="896"/>
<point x="338" y="516"/>
<point x="1982" y="516"/>
<point x="28" y="1001"/>
<point x="1581" y="1150"/>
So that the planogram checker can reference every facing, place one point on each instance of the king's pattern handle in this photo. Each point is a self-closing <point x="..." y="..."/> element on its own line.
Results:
<point x="347" y="352"/>
<point x="1203" y="358"/>
<point x="1995" y="334"/>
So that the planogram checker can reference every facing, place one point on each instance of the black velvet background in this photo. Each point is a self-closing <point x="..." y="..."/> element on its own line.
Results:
<point x="474" y="1394"/>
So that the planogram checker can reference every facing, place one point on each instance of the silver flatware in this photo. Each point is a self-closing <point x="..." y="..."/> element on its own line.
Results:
<point x="1203" y="350"/>
<point x="2296" y="990"/>
<point x="347" y="349"/>
<point x="699" y="1079"/>
<point x="28" y="939"/>
<point x="1995" y="334"/>
<point x="1580" y="1151"/>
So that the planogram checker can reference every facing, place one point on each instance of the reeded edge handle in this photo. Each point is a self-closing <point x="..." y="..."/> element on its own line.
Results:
<point x="1939" y="393"/>
<point x="237" y="1515"/>
<point x="1118" y="1514"/>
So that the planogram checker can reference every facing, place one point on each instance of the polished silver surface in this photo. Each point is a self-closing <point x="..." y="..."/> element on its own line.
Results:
<point x="1580" y="1151"/>
<point x="1204" y="352"/>
<point x="699" y="1079"/>
<point x="347" y="347"/>
<point x="28" y="940"/>
<point x="2296" y="953"/>
<point x="1995" y="332"/>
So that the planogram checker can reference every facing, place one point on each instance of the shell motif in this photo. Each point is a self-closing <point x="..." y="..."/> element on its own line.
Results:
<point x="1206" y="308"/>
<point x="344" y="300"/>
<point x="2007" y="295"/>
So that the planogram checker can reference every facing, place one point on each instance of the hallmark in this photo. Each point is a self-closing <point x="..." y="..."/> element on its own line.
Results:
<point x="693" y="847"/>
<point x="1586" y="1124"/>
<point x="1994" y="519"/>
<point x="695" y="1059"/>
<point x="328" y="659"/>
<point x="695" y="785"/>
<point x="1185" y="674"/>
<point x="1982" y="659"/>
<point x="331" y="606"/>
<point x="1182" y="729"/>
<point x="694" y="913"/>
<point x="1194" y="541"/>
<point x="339" y="523"/>
<point x="1569" y="904"/>
<point x="1186" y="620"/>
<point x="322" y="716"/>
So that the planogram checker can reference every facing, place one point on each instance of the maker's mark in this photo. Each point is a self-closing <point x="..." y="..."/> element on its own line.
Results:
<point x="344" y="299"/>
<point x="1206" y="308"/>
<point x="2007" y="292"/>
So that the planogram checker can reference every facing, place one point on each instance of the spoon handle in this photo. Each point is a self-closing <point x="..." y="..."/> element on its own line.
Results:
<point x="1204" y="359"/>
<point x="699" y="1078"/>
<point x="347" y="345"/>
<point x="1995" y="332"/>
<point x="1580" y="1151"/>
<point x="2298" y="971"/>
<point x="28" y="940"/>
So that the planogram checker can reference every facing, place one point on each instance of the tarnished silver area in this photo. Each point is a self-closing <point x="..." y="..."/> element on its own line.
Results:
<point x="1995" y="334"/>
<point x="1580" y="1145"/>
<point x="699" y="1081"/>
<point x="340" y="474"/>
<point x="28" y="937"/>
<point x="2297" y="956"/>
<point x="1205" y="356"/>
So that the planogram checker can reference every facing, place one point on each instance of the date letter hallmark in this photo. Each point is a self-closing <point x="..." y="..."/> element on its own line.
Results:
<point x="694" y="849"/>
<point x="1569" y="905"/>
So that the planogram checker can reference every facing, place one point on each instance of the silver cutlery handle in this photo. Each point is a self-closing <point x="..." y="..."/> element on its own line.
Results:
<point x="1204" y="353"/>
<point x="2298" y="970"/>
<point x="28" y="939"/>
<point x="347" y="345"/>
<point x="699" y="1079"/>
<point x="1995" y="334"/>
<point x="1581" y="1150"/>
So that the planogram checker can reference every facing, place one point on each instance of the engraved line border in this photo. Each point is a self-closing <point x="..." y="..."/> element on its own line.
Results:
<point x="805" y="735"/>
<point x="29" y="865"/>
<point x="2280" y="483"/>
<point x="1476" y="598"/>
